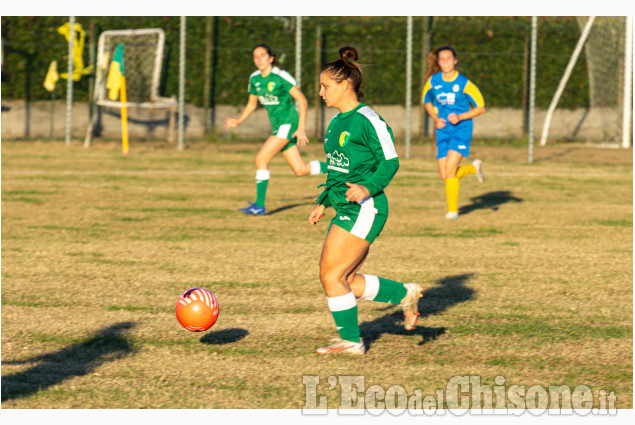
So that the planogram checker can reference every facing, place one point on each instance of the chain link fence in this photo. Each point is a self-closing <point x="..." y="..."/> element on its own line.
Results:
<point x="493" y="52"/>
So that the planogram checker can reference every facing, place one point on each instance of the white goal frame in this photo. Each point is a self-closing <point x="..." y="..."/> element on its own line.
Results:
<point x="626" y="125"/>
<point x="154" y="102"/>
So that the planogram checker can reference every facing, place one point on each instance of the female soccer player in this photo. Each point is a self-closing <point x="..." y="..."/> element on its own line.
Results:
<point x="362" y="160"/>
<point x="447" y="96"/>
<point x="276" y="90"/>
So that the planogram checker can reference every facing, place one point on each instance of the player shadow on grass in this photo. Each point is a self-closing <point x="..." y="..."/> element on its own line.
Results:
<point x="449" y="291"/>
<point x="224" y="336"/>
<point x="491" y="200"/>
<point x="75" y="360"/>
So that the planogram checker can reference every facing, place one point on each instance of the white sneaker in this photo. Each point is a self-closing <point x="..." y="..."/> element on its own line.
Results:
<point x="344" y="347"/>
<point x="410" y="305"/>
<point x="478" y="164"/>
<point x="452" y="215"/>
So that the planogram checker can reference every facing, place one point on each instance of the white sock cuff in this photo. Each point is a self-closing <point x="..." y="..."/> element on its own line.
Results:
<point x="315" y="167"/>
<point x="372" y="287"/>
<point x="343" y="302"/>
<point x="262" y="174"/>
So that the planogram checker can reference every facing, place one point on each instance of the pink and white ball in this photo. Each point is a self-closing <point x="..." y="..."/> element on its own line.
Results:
<point x="197" y="309"/>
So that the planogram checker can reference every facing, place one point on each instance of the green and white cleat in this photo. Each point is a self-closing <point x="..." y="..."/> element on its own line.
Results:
<point x="410" y="305"/>
<point x="478" y="164"/>
<point x="450" y="215"/>
<point x="344" y="347"/>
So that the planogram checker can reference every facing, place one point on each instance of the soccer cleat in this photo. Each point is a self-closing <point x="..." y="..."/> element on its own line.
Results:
<point x="478" y="164"/>
<point x="410" y="305"/>
<point x="345" y="347"/>
<point x="253" y="209"/>
<point x="450" y="215"/>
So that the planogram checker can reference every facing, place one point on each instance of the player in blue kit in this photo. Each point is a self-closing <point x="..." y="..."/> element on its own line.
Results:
<point x="452" y="101"/>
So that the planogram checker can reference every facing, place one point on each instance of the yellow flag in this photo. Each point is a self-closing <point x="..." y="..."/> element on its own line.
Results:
<point x="115" y="74"/>
<point x="51" y="77"/>
<point x="78" y="48"/>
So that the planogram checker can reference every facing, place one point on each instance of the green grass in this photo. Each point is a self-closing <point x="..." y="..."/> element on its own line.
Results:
<point x="533" y="282"/>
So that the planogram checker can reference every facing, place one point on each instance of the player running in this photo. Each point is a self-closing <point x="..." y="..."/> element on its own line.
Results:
<point x="362" y="160"/>
<point x="447" y="96"/>
<point x="276" y="89"/>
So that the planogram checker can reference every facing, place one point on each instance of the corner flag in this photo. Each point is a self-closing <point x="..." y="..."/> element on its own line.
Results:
<point x="116" y="74"/>
<point x="116" y="84"/>
<point x="51" y="77"/>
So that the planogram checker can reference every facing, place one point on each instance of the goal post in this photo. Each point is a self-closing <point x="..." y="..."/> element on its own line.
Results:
<point x="143" y="57"/>
<point x="563" y="81"/>
<point x="603" y="45"/>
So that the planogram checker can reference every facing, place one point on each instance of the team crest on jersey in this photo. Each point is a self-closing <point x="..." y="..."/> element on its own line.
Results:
<point x="271" y="85"/>
<point x="344" y="137"/>
<point x="455" y="88"/>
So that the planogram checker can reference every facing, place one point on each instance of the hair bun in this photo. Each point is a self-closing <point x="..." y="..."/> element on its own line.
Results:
<point x="349" y="54"/>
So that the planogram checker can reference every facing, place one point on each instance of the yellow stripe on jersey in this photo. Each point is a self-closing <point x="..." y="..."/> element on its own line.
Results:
<point x="473" y="91"/>
<point x="426" y="88"/>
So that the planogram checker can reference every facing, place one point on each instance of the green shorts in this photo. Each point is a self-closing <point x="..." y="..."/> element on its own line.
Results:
<point x="365" y="220"/>
<point x="285" y="131"/>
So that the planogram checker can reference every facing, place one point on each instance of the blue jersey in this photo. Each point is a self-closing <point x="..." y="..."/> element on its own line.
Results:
<point x="451" y="96"/>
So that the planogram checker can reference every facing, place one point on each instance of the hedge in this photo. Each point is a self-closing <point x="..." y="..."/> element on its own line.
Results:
<point x="492" y="53"/>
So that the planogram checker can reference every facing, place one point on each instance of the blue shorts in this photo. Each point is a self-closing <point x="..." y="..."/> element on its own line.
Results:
<point x="458" y="140"/>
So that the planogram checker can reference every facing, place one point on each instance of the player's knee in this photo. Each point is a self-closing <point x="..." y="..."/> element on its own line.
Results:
<point x="329" y="277"/>
<point x="261" y="162"/>
<point x="299" y="172"/>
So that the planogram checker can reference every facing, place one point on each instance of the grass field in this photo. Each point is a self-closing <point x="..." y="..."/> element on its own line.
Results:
<point x="533" y="283"/>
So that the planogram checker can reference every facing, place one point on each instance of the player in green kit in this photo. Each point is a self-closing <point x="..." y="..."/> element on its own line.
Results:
<point x="362" y="160"/>
<point x="276" y="90"/>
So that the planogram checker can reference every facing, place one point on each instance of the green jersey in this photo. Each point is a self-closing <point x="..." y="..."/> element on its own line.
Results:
<point x="273" y="94"/>
<point x="360" y="149"/>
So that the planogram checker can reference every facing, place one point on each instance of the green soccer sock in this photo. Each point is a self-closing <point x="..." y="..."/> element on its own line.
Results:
<point x="262" y="180"/>
<point x="344" y="311"/>
<point x="318" y="167"/>
<point x="383" y="290"/>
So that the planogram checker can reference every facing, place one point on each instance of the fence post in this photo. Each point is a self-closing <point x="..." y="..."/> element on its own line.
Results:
<point x="628" y="75"/>
<point x="182" y="81"/>
<point x="408" y="84"/>
<point x="298" y="50"/>
<point x="69" y="82"/>
<point x="532" y="87"/>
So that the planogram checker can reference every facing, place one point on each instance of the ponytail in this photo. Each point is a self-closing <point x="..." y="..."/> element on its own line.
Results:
<point x="433" y="60"/>
<point x="347" y="68"/>
<point x="269" y="52"/>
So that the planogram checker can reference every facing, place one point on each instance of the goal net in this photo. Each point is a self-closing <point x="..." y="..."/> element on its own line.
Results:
<point x="143" y="60"/>
<point x="603" y="55"/>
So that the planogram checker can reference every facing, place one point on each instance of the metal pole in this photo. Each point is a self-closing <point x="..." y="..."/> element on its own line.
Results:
<point x="628" y="75"/>
<point x="298" y="50"/>
<point x="318" y="67"/>
<point x="181" y="82"/>
<point x="69" y="82"/>
<point x="426" y="47"/>
<point x="532" y="86"/>
<point x="565" y="78"/>
<point x="408" y="84"/>
<point x="208" y="72"/>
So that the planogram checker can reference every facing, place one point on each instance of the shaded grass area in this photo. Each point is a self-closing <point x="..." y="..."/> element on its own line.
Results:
<point x="533" y="282"/>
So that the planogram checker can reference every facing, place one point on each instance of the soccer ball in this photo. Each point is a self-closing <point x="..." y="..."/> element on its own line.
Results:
<point x="197" y="309"/>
